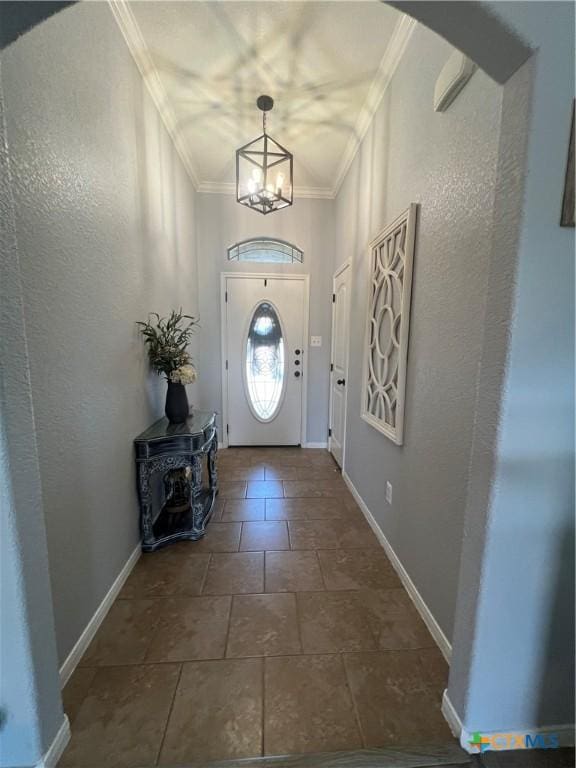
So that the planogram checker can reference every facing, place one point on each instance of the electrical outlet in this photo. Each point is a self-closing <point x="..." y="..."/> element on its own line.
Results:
<point x="389" y="492"/>
<point x="315" y="341"/>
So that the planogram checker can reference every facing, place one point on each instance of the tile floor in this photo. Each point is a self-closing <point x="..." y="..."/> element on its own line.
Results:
<point x="285" y="630"/>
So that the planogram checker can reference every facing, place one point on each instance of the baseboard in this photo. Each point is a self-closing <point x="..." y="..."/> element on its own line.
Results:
<point x="439" y="637"/>
<point x="545" y="737"/>
<point x="224" y="446"/>
<point x="451" y="716"/>
<point x="86" y="637"/>
<point x="59" y="744"/>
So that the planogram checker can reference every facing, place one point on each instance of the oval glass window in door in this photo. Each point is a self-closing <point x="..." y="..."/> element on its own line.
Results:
<point x="265" y="375"/>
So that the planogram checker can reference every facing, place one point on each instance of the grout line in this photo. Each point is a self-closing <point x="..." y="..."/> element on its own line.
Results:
<point x="229" y="626"/>
<point x="240" y="537"/>
<point x="163" y="662"/>
<point x="163" y="739"/>
<point x="224" y="505"/>
<point x="352" y="697"/>
<point x="205" y="577"/>
<point x="298" y="622"/>
<point x="321" y="571"/>
<point x="263" y="718"/>
<point x="153" y="629"/>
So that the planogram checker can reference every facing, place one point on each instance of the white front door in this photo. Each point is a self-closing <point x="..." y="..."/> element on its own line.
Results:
<point x="339" y="368"/>
<point x="264" y="359"/>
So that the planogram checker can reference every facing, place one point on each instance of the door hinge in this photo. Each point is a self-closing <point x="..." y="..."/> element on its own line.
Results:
<point x="226" y="297"/>
<point x="333" y="298"/>
<point x="265" y="282"/>
<point x="226" y="364"/>
<point x="330" y="432"/>
<point x="331" y="367"/>
<point x="227" y="429"/>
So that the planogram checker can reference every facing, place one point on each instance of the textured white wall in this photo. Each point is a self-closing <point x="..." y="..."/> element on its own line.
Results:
<point x="309" y="224"/>
<point x="446" y="163"/>
<point x="105" y="225"/>
<point x="513" y="664"/>
<point x="31" y="709"/>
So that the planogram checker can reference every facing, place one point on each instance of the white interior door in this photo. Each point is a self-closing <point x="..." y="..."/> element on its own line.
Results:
<point x="339" y="368"/>
<point x="265" y="359"/>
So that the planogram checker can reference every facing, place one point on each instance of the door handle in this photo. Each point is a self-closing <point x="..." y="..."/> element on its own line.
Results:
<point x="341" y="381"/>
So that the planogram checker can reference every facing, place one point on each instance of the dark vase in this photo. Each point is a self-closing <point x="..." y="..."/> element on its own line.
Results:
<point x="177" y="408"/>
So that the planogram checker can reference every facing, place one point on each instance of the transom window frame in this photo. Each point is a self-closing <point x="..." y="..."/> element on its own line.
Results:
<point x="293" y="254"/>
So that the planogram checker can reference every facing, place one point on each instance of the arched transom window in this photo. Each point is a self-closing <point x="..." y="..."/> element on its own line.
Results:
<point x="265" y="250"/>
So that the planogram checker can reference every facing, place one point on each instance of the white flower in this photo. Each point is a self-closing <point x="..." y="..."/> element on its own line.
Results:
<point x="186" y="374"/>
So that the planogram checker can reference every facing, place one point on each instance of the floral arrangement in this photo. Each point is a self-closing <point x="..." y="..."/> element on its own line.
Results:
<point x="167" y="342"/>
<point x="186" y="374"/>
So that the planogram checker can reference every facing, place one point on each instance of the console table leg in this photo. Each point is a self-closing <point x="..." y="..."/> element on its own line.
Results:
<point x="212" y="465"/>
<point x="145" y="499"/>
<point x="196" y="500"/>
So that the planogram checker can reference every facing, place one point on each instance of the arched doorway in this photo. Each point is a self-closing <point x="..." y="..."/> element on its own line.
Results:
<point x="501" y="52"/>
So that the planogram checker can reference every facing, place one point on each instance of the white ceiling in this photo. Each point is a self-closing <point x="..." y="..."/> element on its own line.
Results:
<point x="324" y="63"/>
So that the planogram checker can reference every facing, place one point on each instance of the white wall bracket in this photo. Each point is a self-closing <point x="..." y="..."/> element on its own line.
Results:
<point x="453" y="77"/>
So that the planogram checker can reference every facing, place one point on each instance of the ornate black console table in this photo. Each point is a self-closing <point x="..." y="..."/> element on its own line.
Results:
<point x="164" y="447"/>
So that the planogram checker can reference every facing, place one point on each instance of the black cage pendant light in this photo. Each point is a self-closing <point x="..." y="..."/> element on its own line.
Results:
<point x="264" y="170"/>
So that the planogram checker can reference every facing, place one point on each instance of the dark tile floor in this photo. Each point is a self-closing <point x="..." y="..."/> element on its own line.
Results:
<point x="285" y="630"/>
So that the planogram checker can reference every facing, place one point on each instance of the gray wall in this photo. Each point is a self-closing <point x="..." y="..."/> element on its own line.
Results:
<point x="105" y="224"/>
<point x="30" y="706"/>
<point x="446" y="163"/>
<point x="513" y="666"/>
<point x="309" y="224"/>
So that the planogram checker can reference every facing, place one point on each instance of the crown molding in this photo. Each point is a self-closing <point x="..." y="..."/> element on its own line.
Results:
<point x="229" y="188"/>
<point x="392" y="56"/>
<point x="141" y="54"/>
<point x="217" y="187"/>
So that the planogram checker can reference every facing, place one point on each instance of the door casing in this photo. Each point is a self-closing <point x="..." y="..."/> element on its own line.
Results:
<point x="346" y="265"/>
<point x="224" y="277"/>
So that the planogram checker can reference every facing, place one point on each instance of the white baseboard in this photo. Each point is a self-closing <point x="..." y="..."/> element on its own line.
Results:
<point x="59" y="744"/>
<point x="451" y="716"/>
<point x="540" y="737"/>
<point x="439" y="637"/>
<point x="224" y="446"/>
<point x="86" y="637"/>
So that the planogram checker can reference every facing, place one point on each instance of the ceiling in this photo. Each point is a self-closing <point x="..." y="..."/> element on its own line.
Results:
<point x="326" y="65"/>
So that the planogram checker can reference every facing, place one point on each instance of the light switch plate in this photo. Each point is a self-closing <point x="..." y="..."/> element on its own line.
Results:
<point x="315" y="341"/>
<point x="389" y="492"/>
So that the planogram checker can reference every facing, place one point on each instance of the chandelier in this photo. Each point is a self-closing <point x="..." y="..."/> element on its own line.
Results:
<point x="264" y="170"/>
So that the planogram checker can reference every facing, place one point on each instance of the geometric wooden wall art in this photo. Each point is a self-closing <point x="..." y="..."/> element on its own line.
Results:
<point x="387" y="326"/>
